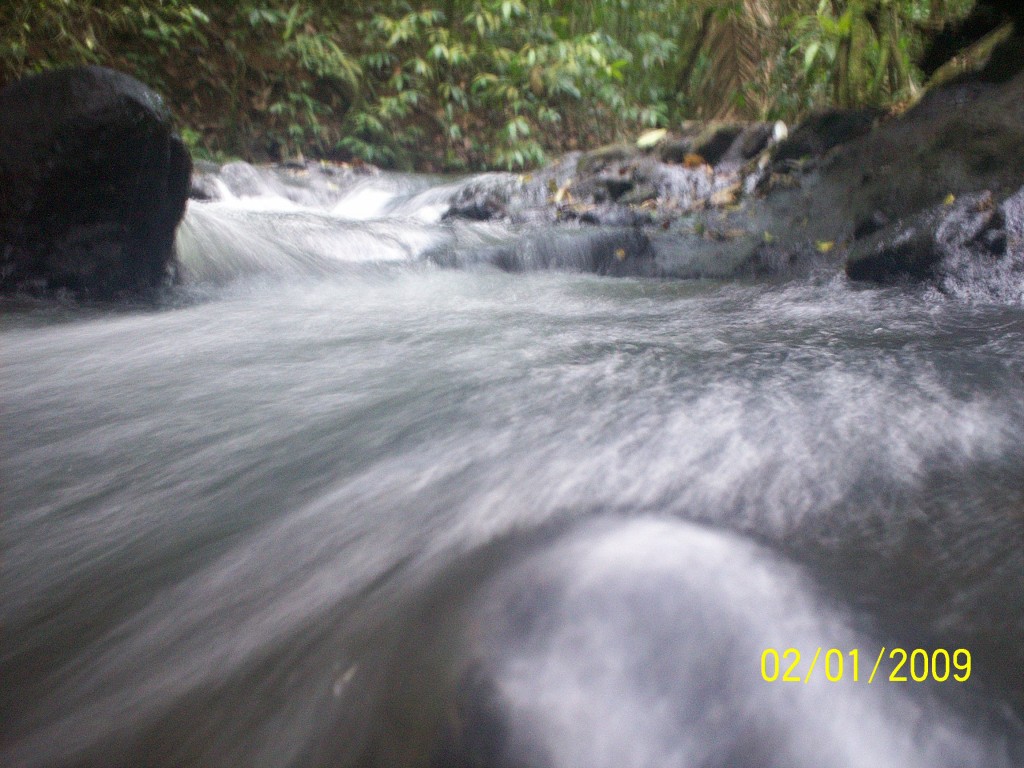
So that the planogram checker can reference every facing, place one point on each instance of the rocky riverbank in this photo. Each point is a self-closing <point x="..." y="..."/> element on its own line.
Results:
<point x="94" y="185"/>
<point x="921" y="196"/>
<point x="931" y="195"/>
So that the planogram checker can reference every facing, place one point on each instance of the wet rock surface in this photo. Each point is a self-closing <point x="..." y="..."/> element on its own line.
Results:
<point x="975" y="241"/>
<point x="93" y="183"/>
<point x="959" y="140"/>
<point x="916" y="247"/>
<point x="761" y="201"/>
<point x="613" y="252"/>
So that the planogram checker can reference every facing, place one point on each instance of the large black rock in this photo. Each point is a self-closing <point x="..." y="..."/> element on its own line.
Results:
<point x="823" y="131"/>
<point x="93" y="183"/>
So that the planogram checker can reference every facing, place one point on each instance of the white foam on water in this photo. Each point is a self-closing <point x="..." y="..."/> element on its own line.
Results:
<point x="369" y="200"/>
<point x="639" y="643"/>
<point x="224" y="241"/>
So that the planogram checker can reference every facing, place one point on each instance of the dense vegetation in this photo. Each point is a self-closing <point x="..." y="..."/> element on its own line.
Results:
<point x="476" y="83"/>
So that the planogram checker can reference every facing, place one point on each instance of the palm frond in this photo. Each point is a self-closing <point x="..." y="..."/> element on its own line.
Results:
<point x="735" y="45"/>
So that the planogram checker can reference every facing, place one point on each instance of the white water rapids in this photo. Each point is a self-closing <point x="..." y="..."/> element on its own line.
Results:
<point x="373" y="489"/>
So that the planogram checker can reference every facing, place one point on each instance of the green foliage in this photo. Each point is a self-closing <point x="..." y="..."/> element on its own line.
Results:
<point x="46" y="33"/>
<point x="484" y="84"/>
<point x="861" y="55"/>
<point x="447" y="84"/>
<point x="861" y="52"/>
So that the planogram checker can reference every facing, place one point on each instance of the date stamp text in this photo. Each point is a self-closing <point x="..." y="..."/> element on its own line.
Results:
<point x="894" y="665"/>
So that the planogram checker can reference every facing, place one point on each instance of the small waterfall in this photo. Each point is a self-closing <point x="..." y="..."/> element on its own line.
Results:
<point x="258" y="228"/>
<point x="220" y="242"/>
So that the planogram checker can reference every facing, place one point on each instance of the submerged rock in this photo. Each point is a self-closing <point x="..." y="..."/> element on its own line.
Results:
<point x="613" y="252"/>
<point x="93" y="183"/>
<point x="204" y="182"/>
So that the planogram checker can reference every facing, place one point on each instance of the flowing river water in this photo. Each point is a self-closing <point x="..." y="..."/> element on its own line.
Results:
<point x="354" y="496"/>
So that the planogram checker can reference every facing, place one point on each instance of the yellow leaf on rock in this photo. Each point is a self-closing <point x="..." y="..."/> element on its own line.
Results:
<point x="724" y="197"/>
<point x="650" y="138"/>
<point x="824" y="246"/>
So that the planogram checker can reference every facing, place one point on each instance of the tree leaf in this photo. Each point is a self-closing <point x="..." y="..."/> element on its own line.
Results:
<point x="651" y="138"/>
<point x="810" y="54"/>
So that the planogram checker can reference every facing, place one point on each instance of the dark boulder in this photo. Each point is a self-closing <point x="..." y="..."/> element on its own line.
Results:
<point x="715" y="141"/>
<point x="960" y="140"/>
<point x="885" y="193"/>
<point x="821" y="132"/>
<point x="93" y="183"/>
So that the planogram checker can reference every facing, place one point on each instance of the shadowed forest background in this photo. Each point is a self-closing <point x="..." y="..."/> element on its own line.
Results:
<point x="474" y="84"/>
